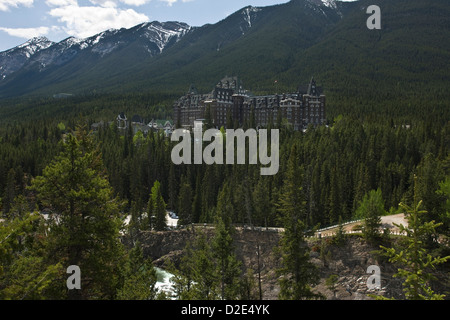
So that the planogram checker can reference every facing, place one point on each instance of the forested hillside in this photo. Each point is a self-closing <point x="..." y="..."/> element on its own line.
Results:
<point x="398" y="68"/>
<point x="337" y="166"/>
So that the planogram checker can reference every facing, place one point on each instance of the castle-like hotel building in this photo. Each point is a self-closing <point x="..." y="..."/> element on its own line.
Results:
<point x="229" y="104"/>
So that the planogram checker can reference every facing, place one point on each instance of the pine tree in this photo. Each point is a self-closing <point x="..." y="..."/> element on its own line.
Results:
<point x="85" y="216"/>
<point x="173" y="188"/>
<point x="413" y="257"/>
<point x="10" y="191"/>
<point x="148" y="221"/>
<point x="225" y="210"/>
<point x="334" y="199"/>
<point x="340" y="236"/>
<point x="263" y="205"/>
<point x="209" y="269"/>
<point x="139" y="277"/>
<point x="331" y="283"/>
<point x="248" y="287"/>
<point x="444" y="214"/>
<point x="135" y="224"/>
<point x="371" y="209"/>
<point x="429" y="175"/>
<point x="228" y="267"/>
<point x="205" y="283"/>
<point x="209" y="193"/>
<point x="297" y="273"/>
<point x="24" y="270"/>
<point x="158" y="207"/>
<point x="183" y="276"/>
<point x="185" y="203"/>
<point x="197" y="201"/>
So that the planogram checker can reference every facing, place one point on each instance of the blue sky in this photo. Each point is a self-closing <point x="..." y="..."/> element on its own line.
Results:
<point x="21" y="20"/>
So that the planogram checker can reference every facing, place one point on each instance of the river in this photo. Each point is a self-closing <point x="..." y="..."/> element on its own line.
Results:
<point x="163" y="282"/>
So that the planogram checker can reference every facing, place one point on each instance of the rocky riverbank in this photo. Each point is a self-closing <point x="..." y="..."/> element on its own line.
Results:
<point x="348" y="263"/>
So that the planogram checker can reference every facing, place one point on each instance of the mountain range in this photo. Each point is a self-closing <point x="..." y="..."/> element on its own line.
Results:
<point x="284" y="44"/>
<point x="40" y="59"/>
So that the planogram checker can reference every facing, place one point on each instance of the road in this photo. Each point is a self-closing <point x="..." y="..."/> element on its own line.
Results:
<point x="386" y="222"/>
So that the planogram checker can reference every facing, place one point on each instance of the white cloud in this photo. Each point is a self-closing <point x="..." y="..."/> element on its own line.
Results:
<point x="135" y="2"/>
<point x="60" y="3"/>
<point x="171" y="2"/>
<point x="104" y="3"/>
<point x="85" y="21"/>
<point x="27" y="33"/>
<point x="6" y="4"/>
<point x="80" y="20"/>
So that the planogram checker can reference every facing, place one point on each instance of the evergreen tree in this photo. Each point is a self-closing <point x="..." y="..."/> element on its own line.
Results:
<point x="139" y="277"/>
<point x="262" y="203"/>
<point x="85" y="217"/>
<point x="340" y="236"/>
<point x="429" y="176"/>
<point x="225" y="210"/>
<point x="135" y="223"/>
<point x="248" y="287"/>
<point x="185" y="203"/>
<point x="413" y="256"/>
<point x="173" y="195"/>
<point x="332" y="282"/>
<point x="297" y="273"/>
<point x="209" y="270"/>
<point x="197" y="201"/>
<point x="334" y="200"/>
<point x="158" y="207"/>
<point x="371" y="209"/>
<point x="24" y="270"/>
<point x="10" y="191"/>
<point x="444" y="214"/>
<point x="148" y="222"/>
<point x="205" y="280"/>
<point x="228" y="267"/>
<point x="209" y="193"/>
<point x="183" y="276"/>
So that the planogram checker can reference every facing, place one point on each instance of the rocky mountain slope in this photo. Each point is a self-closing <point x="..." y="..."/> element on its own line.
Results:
<point x="14" y="59"/>
<point x="128" y="59"/>
<point x="47" y="62"/>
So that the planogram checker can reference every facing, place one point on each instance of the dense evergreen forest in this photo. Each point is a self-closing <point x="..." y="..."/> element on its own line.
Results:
<point x="332" y="169"/>
<point x="342" y="162"/>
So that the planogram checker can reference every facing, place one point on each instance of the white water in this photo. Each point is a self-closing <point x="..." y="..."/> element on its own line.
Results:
<point x="163" y="282"/>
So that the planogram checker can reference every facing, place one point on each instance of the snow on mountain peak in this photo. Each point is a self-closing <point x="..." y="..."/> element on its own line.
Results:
<point x="36" y="41"/>
<point x="40" y="52"/>
<point x="160" y="33"/>
<point x="249" y="15"/>
<point x="330" y="3"/>
<point x="34" y="45"/>
<point x="327" y="3"/>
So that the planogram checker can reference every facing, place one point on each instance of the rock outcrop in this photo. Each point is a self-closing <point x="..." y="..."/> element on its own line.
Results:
<point x="348" y="263"/>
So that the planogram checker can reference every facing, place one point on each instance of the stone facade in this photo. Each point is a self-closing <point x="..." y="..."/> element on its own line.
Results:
<point x="230" y="105"/>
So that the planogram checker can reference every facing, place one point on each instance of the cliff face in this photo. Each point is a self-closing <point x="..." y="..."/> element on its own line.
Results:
<point x="349" y="262"/>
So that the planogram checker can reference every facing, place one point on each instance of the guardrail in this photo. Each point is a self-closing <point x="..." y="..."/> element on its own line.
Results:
<point x="320" y="235"/>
